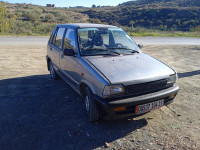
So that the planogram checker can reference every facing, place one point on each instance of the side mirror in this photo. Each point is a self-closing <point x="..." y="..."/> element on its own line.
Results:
<point x="69" y="52"/>
<point x="140" y="46"/>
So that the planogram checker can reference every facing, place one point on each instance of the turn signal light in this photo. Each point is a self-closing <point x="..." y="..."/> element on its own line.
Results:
<point x="172" y="96"/>
<point x="119" y="108"/>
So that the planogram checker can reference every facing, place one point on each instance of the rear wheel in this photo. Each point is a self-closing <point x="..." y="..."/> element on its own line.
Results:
<point x="53" y="73"/>
<point x="90" y="106"/>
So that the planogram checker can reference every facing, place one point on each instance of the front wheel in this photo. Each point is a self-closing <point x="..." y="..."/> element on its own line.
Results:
<point x="90" y="106"/>
<point x="53" y="73"/>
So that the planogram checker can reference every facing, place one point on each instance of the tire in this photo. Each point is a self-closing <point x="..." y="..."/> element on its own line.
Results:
<point x="53" y="73"/>
<point x="90" y="106"/>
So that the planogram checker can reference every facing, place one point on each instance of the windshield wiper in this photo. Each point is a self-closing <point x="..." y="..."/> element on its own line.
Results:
<point x="103" y="50"/>
<point x="119" y="48"/>
<point x="132" y="50"/>
<point x="115" y="52"/>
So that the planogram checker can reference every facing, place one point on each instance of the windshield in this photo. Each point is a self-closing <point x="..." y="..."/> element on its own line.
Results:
<point x="104" y="41"/>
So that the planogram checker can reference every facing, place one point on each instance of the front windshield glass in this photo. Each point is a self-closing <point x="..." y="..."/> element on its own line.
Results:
<point x="105" y="41"/>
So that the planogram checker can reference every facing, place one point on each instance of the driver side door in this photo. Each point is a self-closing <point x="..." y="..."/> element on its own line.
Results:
<point x="69" y="64"/>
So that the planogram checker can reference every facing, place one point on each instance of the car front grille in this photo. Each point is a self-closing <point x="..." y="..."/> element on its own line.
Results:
<point x="145" y="88"/>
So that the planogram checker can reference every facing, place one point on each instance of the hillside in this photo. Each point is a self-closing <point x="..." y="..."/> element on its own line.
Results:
<point x="165" y="15"/>
<point x="160" y="14"/>
<point x="165" y="3"/>
<point x="33" y="19"/>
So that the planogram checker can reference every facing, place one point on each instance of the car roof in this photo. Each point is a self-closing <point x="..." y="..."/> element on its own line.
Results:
<point x="87" y="25"/>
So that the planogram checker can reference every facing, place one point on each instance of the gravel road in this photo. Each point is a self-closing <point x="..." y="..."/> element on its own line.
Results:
<point x="38" y="113"/>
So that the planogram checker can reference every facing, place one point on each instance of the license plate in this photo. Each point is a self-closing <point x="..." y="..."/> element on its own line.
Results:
<point x="148" y="107"/>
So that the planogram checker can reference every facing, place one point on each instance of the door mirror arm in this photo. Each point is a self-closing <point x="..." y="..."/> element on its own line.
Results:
<point x="140" y="46"/>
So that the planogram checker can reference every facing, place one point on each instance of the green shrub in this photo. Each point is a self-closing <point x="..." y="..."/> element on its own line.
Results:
<point x="31" y="16"/>
<point x="44" y="28"/>
<point x="49" y="17"/>
<point x="195" y="29"/>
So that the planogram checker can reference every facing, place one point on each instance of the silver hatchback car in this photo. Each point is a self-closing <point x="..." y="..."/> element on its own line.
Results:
<point x="105" y="66"/>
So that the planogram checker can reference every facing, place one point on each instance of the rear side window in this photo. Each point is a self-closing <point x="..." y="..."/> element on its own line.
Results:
<point x="51" y="38"/>
<point x="69" y="40"/>
<point x="57" y="41"/>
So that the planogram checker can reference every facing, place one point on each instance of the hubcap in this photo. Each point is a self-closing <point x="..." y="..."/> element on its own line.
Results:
<point x="87" y="105"/>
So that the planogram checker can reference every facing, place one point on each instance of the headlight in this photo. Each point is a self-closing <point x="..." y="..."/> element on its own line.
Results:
<point x="172" y="79"/>
<point x="113" y="89"/>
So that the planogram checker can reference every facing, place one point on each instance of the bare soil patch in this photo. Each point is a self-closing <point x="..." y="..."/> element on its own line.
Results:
<point x="38" y="113"/>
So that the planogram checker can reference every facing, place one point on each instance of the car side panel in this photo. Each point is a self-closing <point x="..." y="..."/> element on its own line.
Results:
<point x="68" y="64"/>
<point x="91" y="78"/>
<point x="55" y="54"/>
<point x="69" y="67"/>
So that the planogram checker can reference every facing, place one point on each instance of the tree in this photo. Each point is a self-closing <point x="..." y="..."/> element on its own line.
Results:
<point x="7" y="20"/>
<point x="4" y="23"/>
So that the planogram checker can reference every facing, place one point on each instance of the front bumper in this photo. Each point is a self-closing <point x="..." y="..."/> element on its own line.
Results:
<point x="130" y="103"/>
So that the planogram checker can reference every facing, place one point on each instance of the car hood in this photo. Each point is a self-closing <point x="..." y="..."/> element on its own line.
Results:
<point x="130" y="69"/>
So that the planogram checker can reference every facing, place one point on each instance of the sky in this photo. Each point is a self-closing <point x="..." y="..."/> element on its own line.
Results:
<point x="72" y="3"/>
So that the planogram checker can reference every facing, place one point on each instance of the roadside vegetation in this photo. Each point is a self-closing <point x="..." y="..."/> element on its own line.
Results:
<point x="139" y="31"/>
<point x="27" y="19"/>
<point x="138" y="18"/>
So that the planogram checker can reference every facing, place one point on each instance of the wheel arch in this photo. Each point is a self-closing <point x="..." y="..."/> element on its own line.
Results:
<point x="82" y="87"/>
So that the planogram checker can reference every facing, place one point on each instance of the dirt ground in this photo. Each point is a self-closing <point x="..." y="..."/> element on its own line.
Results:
<point x="38" y="113"/>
